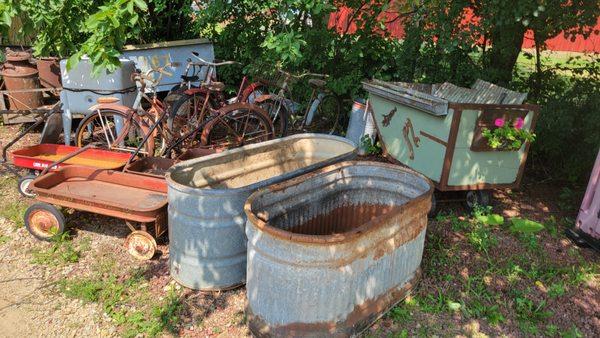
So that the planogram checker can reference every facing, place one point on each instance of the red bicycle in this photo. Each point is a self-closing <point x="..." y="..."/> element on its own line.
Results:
<point x="188" y="100"/>
<point x="117" y="127"/>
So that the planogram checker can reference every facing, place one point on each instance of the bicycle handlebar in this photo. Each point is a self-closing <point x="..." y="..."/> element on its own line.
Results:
<point x="214" y="64"/>
<point x="302" y="75"/>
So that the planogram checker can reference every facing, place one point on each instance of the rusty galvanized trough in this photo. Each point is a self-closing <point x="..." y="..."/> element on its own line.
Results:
<point x="329" y="252"/>
<point x="207" y="196"/>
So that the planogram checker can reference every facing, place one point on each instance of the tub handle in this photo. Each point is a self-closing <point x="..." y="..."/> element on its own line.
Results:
<point x="409" y="129"/>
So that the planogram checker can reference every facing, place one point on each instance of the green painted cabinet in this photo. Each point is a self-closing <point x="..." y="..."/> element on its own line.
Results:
<point x="442" y="139"/>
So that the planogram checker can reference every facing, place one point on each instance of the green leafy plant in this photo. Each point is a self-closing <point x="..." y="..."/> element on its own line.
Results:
<point x="62" y="251"/>
<point x="128" y="301"/>
<point x="526" y="226"/>
<point x="530" y="313"/>
<point x="13" y="210"/>
<point x="484" y="215"/>
<point x="108" y="30"/>
<point x="370" y="147"/>
<point x="556" y="290"/>
<point x="508" y="135"/>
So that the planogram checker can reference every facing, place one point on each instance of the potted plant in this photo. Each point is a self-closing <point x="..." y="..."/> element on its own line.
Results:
<point x="508" y="135"/>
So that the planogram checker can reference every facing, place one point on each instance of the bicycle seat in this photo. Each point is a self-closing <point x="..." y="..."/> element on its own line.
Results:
<point x="107" y="99"/>
<point x="216" y="86"/>
<point x="317" y="83"/>
<point x="192" y="78"/>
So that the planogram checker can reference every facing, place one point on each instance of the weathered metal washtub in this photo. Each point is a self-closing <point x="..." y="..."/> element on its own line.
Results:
<point x="207" y="196"/>
<point x="329" y="252"/>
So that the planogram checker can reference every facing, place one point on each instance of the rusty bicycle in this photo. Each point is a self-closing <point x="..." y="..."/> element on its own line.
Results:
<point x="117" y="127"/>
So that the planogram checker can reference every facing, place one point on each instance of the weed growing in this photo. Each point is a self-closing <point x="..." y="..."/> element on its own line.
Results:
<point x="62" y="251"/>
<point x="129" y="303"/>
<point x="14" y="211"/>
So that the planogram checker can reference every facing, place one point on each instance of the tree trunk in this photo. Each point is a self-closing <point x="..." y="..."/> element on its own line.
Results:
<point x="411" y="48"/>
<point x="538" y="65"/>
<point x="501" y="58"/>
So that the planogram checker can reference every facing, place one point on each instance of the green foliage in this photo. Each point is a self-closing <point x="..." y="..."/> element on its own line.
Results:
<point x="484" y="215"/>
<point x="4" y="239"/>
<point x="57" y="25"/>
<point x="525" y="226"/>
<point x="401" y="313"/>
<point x="507" y="136"/>
<point x="13" y="211"/>
<point x="569" y="120"/>
<point x="108" y="30"/>
<point x="62" y="251"/>
<point x="556" y="290"/>
<point x="295" y="36"/>
<point x="530" y="313"/>
<point x="128" y="302"/>
<point x="370" y="147"/>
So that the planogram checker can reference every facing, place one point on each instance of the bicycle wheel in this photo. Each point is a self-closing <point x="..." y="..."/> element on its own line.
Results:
<point x="104" y="126"/>
<point x="237" y="125"/>
<point x="279" y="114"/>
<point x="185" y="113"/>
<point x="328" y="116"/>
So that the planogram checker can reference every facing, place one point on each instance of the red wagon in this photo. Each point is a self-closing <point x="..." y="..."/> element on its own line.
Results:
<point x="133" y="198"/>
<point x="39" y="157"/>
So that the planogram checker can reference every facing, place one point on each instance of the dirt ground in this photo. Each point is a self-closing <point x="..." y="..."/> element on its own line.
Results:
<point x="478" y="280"/>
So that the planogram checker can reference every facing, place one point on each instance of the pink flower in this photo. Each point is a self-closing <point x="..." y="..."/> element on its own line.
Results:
<point x="499" y="123"/>
<point x="519" y="123"/>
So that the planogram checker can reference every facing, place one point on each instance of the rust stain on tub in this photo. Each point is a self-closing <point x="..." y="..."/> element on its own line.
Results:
<point x="361" y="317"/>
<point x="345" y="242"/>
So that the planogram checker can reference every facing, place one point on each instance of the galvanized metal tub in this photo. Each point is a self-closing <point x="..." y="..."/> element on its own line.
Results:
<point x="207" y="196"/>
<point x="331" y="251"/>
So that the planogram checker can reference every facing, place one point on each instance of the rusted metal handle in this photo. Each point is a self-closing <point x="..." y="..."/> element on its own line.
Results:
<point x="409" y="129"/>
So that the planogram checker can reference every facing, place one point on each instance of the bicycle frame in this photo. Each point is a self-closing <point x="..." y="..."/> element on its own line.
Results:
<point x="281" y="99"/>
<point x="137" y="113"/>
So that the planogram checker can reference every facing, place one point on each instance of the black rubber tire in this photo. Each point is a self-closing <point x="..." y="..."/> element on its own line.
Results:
<point x="477" y="197"/>
<point x="261" y="115"/>
<point x="281" y="121"/>
<point x="177" y="105"/>
<point x="24" y="183"/>
<point x="91" y="116"/>
<point x="51" y="211"/>
<point x="328" y="117"/>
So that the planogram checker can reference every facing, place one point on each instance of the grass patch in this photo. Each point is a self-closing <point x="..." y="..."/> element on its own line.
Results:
<point x="530" y="314"/>
<point x="128" y="301"/>
<point x="14" y="211"/>
<point x="62" y="251"/>
<point x="4" y="239"/>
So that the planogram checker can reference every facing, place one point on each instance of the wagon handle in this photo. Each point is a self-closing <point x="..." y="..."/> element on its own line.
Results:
<point x="44" y="116"/>
<point x="70" y="156"/>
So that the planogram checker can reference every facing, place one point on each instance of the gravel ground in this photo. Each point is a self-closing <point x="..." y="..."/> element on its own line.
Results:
<point x="43" y="297"/>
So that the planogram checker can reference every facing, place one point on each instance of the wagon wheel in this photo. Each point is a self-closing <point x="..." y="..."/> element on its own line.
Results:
<point x="474" y="198"/>
<point x="24" y="183"/>
<point x="141" y="245"/>
<point x="44" y="221"/>
<point x="237" y="125"/>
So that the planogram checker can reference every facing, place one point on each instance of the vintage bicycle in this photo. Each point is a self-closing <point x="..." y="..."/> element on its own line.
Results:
<point x="323" y="109"/>
<point x="117" y="127"/>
